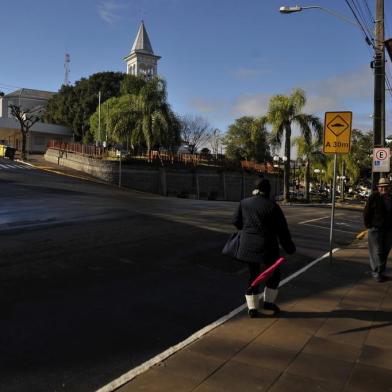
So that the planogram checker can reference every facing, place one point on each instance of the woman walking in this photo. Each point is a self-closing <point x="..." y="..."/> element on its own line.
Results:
<point x="262" y="226"/>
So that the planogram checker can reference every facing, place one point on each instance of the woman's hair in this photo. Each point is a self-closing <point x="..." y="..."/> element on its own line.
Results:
<point x="263" y="185"/>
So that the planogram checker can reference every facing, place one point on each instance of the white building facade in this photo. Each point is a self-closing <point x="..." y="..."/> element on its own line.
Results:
<point x="40" y="133"/>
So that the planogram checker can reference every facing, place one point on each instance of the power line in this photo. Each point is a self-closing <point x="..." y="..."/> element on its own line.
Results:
<point x="369" y="11"/>
<point x="360" y="12"/>
<point x="369" y="39"/>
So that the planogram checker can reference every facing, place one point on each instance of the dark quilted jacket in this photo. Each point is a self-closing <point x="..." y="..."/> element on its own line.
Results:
<point x="263" y="226"/>
<point x="375" y="213"/>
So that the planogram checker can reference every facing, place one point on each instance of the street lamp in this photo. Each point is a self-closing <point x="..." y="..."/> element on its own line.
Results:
<point x="378" y="64"/>
<point x="297" y="8"/>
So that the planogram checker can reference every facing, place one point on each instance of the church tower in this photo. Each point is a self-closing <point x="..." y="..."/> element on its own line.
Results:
<point x="142" y="60"/>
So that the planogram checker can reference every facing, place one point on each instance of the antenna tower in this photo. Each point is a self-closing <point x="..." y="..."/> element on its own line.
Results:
<point x="67" y="60"/>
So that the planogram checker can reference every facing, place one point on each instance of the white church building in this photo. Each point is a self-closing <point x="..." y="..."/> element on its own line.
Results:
<point x="142" y="60"/>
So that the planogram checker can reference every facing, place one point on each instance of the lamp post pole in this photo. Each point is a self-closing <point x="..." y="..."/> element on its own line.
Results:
<point x="99" y="116"/>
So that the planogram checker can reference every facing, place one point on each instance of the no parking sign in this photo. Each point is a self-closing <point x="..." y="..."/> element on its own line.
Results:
<point x="381" y="160"/>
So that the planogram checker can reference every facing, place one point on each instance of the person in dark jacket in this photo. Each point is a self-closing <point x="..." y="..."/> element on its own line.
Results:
<point x="262" y="226"/>
<point x="378" y="219"/>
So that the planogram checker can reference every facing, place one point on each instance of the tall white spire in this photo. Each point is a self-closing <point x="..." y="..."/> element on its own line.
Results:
<point x="142" y="60"/>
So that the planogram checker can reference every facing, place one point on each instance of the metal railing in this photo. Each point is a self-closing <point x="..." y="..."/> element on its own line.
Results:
<point x="163" y="158"/>
<point x="76" y="148"/>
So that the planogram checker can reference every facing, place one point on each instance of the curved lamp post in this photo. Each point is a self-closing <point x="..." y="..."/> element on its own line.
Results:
<point x="297" y="8"/>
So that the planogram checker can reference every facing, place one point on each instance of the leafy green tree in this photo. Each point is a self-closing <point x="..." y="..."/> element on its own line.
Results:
<point x="361" y="155"/>
<point x="357" y="165"/>
<point x="284" y="112"/>
<point x="118" y="120"/>
<point x="309" y="151"/>
<point x="73" y="105"/>
<point x="132" y="84"/>
<point x="142" y="119"/>
<point x="246" y="139"/>
<point x="157" y="122"/>
<point x="26" y="120"/>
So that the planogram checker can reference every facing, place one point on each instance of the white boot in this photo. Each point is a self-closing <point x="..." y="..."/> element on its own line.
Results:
<point x="253" y="304"/>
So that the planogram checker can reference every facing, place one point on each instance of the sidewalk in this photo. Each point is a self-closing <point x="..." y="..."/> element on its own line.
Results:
<point x="38" y="161"/>
<point x="334" y="334"/>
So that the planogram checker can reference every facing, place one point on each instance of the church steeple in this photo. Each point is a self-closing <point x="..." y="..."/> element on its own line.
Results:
<point x="142" y="60"/>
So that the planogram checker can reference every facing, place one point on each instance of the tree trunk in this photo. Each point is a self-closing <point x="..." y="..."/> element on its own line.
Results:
<point x="287" y="150"/>
<point x="307" y="180"/>
<point x="24" y="139"/>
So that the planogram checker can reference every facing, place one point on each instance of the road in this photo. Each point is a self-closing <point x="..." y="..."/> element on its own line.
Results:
<point x="95" y="280"/>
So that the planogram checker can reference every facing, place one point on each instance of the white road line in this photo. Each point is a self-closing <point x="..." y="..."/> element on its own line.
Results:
<point x="334" y="229"/>
<point x="7" y="166"/>
<point x="312" y="220"/>
<point x="197" y="335"/>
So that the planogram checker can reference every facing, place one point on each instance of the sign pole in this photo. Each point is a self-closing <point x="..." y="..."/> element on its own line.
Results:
<point x="337" y="140"/>
<point x="333" y="208"/>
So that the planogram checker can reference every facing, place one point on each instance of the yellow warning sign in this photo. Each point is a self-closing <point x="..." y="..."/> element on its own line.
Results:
<point x="337" y="132"/>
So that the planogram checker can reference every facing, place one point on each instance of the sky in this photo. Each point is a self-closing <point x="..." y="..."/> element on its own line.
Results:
<point x="222" y="59"/>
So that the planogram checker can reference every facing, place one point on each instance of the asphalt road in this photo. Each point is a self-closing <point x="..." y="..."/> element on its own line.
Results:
<point x="95" y="280"/>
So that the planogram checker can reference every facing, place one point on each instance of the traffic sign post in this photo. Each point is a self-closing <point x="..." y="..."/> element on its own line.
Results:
<point x="381" y="160"/>
<point x="337" y="140"/>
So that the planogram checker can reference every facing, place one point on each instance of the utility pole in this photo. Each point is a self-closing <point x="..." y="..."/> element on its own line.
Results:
<point x="379" y="84"/>
<point x="99" y="116"/>
<point x="67" y="60"/>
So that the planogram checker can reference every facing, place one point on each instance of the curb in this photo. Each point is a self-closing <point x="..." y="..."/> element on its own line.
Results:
<point x="361" y="235"/>
<point x="329" y="205"/>
<point x="50" y="170"/>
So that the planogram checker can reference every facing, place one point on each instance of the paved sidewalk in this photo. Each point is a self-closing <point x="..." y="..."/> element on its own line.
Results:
<point x="334" y="334"/>
<point x="38" y="161"/>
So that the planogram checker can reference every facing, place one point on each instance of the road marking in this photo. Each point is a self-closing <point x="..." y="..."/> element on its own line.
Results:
<point x="335" y="229"/>
<point x="118" y="382"/>
<point x="8" y="166"/>
<point x="361" y="234"/>
<point x="313" y="220"/>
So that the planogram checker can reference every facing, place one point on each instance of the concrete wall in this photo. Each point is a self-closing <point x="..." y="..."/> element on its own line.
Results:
<point x="101" y="169"/>
<point x="189" y="183"/>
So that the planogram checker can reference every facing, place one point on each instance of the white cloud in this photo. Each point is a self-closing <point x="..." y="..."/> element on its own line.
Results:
<point x="250" y="105"/>
<point x="109" y="10"/>
<point x="348" y="91"/>
<point x="341" y="92"/>
<point x="204" y="105"/>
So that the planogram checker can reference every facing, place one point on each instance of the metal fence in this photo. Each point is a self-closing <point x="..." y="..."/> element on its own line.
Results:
<point x="76" y="148"/>
<point x="258" y="167"/>
<point x="163" y="158"/>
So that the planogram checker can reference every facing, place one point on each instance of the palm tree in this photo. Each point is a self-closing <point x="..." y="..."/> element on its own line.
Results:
<point x="156" y="121"/>
<point x="143" y="119"/>
<point x="309" y="152"/>
<point x="285" y="111"/>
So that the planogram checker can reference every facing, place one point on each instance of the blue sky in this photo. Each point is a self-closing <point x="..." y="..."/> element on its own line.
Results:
<point x="221" y="58"/>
